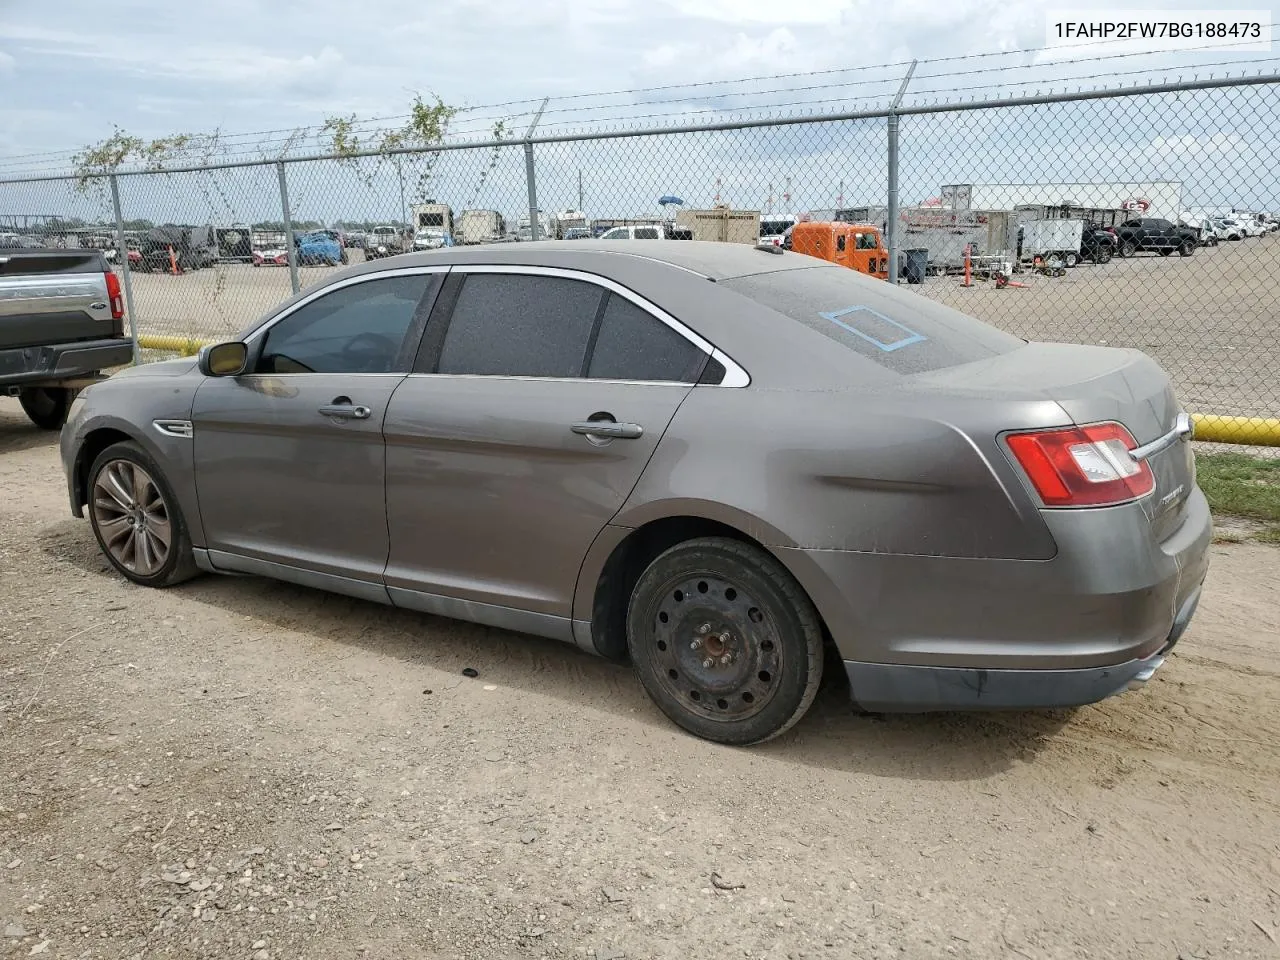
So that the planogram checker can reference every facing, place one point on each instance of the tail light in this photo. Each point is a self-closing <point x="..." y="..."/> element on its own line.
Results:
<point x="1086" y="466"/>
<point x="113" y="294"/>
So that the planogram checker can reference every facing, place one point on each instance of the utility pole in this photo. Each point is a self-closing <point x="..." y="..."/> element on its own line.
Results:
<point x="529" y="177"/>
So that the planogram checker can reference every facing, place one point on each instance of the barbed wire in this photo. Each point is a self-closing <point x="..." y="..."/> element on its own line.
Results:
<point x="479" y="120"/>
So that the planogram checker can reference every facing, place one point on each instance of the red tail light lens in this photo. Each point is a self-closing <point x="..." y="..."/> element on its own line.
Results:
<point x="113" y="294"/>
<point x="1086" y="466"/>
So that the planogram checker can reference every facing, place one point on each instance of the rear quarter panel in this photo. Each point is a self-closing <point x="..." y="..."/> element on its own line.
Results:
<point x="876" y="471"/>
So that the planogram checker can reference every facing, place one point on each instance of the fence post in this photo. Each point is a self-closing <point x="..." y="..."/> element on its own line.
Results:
<point x="122" y="255"/>
<point x="892" y="224"/>
<point x="288" y="227"/>
<point x="528" y="171"/>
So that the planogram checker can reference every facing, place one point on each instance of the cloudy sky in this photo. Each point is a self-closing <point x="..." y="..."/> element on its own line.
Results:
<point x="155" y="68"/>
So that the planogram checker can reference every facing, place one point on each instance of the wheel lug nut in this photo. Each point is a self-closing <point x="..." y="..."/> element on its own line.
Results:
<point x="726" y="660"/>
<point x="695" y="643"/>
<point x="705" y="628"/>
<point x="708" y="663"/>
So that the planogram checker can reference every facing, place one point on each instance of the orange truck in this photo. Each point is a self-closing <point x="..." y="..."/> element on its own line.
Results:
<point x="858" y="246"/>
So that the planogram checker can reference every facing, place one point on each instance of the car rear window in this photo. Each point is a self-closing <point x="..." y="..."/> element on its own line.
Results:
<point x="902" y="332"/>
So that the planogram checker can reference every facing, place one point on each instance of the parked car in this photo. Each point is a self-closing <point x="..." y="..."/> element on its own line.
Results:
<point x="271" y="257"/>
<point x="320" y="248"/>
<point x="61" y="325"/>
<point x="384" y="242"/>
<point x="1227" y="229"/>
<point x="1157" y="235"/>
<point x="640" y="231"/>
<point x="577" y="233"/>
<point x="707" y="477"/>
<point x="1098" y="243"/>
<point x="431" y="238"/>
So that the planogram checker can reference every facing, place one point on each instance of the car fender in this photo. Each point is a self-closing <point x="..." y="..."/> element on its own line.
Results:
<point x="151" y="402"/>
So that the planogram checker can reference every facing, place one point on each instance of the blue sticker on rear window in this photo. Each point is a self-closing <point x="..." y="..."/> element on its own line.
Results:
<point x="875" y="328"/>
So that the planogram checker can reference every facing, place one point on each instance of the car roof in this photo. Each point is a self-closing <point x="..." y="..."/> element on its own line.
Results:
<point x="710" y="259"/>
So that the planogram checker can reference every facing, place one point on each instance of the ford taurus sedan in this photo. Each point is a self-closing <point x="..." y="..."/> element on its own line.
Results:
<point x="711" y="459"/>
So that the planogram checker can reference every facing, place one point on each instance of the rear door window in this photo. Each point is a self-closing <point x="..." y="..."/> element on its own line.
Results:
<point x="520" y="325"/>
<point x="901" y="332"/>
<point x="632" y="344"/>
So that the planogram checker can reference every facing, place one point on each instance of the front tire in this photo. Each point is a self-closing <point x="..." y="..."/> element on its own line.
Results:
<point x="1128" y="248"/>
<point x="1187" y="249"/>
<point x="136" y="518"/>
<point x="1071" y="258"/>
<point x="1104" y="254"/>
<point x="46" y="407"/>
<point x="725" y="641"/>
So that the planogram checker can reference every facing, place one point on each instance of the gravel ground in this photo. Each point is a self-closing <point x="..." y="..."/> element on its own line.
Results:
<point x="236" y="768"/>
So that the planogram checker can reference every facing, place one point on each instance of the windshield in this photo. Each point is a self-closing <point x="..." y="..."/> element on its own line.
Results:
<point x="903" y="334"/>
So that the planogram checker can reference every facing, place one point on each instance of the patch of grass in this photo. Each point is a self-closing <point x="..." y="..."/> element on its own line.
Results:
<point x="1239" y="485"/>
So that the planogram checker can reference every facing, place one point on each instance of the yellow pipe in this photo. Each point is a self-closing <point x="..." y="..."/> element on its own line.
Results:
<point x="187" y="346"/>
<point x="1249" y="431"/>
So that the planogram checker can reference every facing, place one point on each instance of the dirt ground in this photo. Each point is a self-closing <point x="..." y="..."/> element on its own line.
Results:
<point x="238" y="768"/>
<point x="1209" y="319"/>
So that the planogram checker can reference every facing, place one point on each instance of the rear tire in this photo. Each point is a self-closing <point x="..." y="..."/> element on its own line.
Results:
<point x="136" y="518"/>
<point x="1071" y="258"/>
<point x="1187" y="249"/>
<point x="1128" y="248"/>
<point x="725" y="641"/>
<point x="1104" y="254"/>
<point x="46" y="407"/>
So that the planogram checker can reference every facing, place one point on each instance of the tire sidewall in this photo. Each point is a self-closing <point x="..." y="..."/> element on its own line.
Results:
<point x="61" y="396"/>
<point x="796" y="632"/>
<point x="180" y="547"/>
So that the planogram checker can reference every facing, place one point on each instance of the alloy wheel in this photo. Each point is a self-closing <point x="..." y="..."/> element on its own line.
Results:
<point x="132" y="517"/>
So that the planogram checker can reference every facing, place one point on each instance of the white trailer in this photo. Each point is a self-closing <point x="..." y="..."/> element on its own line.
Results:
<point x="432" y="216"/>
<point x="1060" y="238"/>
<point x="481" y="226"/>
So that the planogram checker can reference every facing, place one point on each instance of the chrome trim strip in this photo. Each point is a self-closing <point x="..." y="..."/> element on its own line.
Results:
<point x="174" y="428"/>
<point x="1183" y="429"/>
<point x="735" y="375"/>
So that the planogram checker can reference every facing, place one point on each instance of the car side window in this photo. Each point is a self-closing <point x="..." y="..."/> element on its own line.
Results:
<point x="359" y="328"/>
<point x="520" y="325"/>
<point x="632" y="344"/>
<point x="646" y="233"/>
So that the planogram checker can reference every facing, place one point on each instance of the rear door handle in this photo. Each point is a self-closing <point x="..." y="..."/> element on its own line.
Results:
<point x="608" y="428"/>
<point x="351" y="411"/>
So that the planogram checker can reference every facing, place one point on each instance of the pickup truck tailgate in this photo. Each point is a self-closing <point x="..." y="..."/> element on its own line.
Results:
<point x="53" y="296"/>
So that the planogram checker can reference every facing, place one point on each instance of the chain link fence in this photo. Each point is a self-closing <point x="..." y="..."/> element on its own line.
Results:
<point x="1123" y="217"/>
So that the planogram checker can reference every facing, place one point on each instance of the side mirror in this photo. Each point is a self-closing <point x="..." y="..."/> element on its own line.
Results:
<point x="224" y="359"/>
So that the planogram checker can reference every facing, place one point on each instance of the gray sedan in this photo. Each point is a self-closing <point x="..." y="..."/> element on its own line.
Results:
<point x="710" y="458"/>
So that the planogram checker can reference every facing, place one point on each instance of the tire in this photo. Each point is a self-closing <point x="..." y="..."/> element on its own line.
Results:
<point x="1128" y="248"/>
<point x="1104" y="254"/>
<point x="126" y="488"/>
<point x="712" y="598"/>
<point x="1071" y="258"/>
<point x="1186" y="249"/>
<point x="46" y="407"/>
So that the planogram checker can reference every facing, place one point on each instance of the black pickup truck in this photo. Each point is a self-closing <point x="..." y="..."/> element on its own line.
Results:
<point x="61" y="325"/>
<point x="1159" y="236"/>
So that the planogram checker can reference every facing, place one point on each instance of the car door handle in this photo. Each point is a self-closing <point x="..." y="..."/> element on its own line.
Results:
<point x="352" y="411"/>
<point x="608" y="428"/>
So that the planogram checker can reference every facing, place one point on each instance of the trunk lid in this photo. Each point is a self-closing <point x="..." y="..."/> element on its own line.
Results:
<point x="1092" y="384"/>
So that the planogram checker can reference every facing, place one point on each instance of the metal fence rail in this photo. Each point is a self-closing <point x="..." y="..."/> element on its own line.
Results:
<point x="939" y="181"/>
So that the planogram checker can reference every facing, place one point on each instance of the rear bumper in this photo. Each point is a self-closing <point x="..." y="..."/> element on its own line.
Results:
<point x="899" y="688"/>
<point x="63" y="361"/>
<point x="925" y="633"/>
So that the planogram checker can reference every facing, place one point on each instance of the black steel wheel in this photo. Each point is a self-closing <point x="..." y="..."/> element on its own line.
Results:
<point x="725" y="641"/>
<point x="136" y="518"/>
<point x="46" y="407"/>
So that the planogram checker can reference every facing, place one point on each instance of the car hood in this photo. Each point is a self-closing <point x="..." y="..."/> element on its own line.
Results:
<point x="163" y="368"/>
